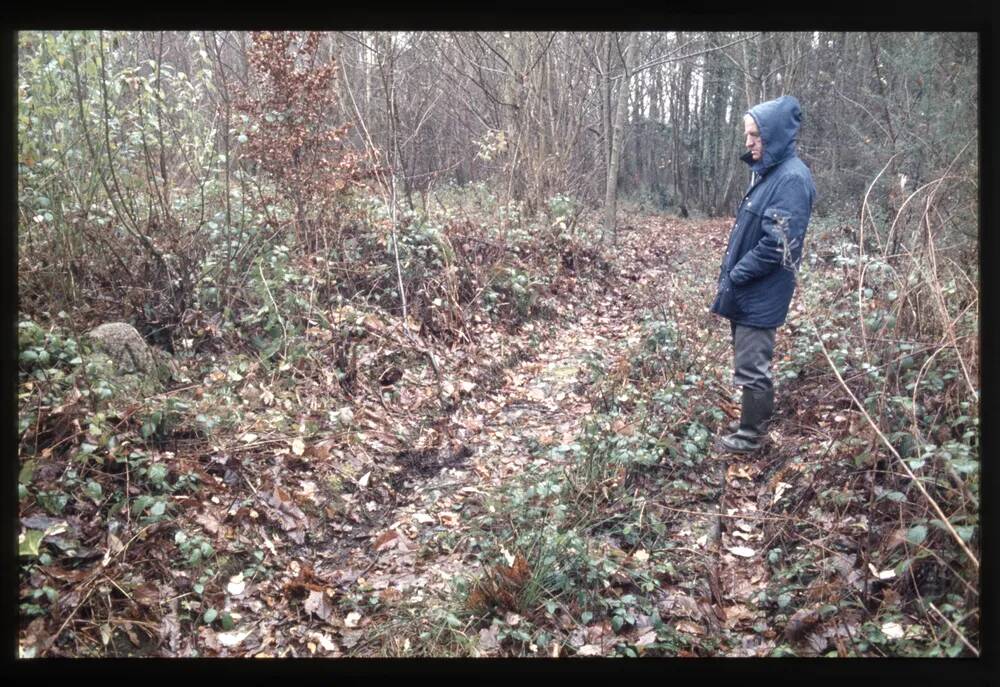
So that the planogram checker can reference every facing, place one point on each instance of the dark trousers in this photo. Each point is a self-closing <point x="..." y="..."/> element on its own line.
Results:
<point x="753" y="350"/>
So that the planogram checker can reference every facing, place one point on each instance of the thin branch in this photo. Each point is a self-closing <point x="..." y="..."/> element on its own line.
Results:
<point x="667" y="58"/>
<point x="954" y="629"/>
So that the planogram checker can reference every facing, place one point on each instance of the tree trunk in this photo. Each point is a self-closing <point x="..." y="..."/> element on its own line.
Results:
<point x="611" y="194"/>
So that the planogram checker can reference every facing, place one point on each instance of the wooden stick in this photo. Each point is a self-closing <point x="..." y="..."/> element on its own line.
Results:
<point x="954" y="629"/>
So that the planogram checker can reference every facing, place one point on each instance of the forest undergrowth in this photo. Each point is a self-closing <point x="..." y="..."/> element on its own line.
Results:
<point x="541" y="483"/>
<point x="415" y="388"/>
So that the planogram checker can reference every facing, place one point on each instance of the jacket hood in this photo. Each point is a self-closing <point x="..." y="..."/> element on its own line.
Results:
<point x="778" y="121"/>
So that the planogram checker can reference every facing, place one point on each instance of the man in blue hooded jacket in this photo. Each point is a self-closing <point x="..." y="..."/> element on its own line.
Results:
<point x="758" y="271"/>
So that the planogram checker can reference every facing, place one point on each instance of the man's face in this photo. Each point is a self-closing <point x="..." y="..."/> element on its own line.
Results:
<point x="752" y="138"/>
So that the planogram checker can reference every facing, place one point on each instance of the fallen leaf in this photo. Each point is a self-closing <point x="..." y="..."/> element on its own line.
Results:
<point x="233" y="638"/>
<point x="507" y="556"/>
<point x="115" y="547"/>
<point x="742" y="551"/>
<point x="800" y="623"/>
<point x="448" y="519"/>
<point x="206" y="520"/>
<point x="236" y="585"/>
<point x="780" y="489"/>
<point x="882" y="574"/>
<point x="363" y="481"/>
<point x="385" y="540"/>
<point x="298" y="446"/>
<point x="326" y="642"/>
<point x="390" y="595"/>
<point x="422" y="518"/>
<point x="893" y="630"/>
<point x="817" y="641"/>
<point x="537" y="394"/>
<point x="319" y="604"/>
<point x="589" y="650"/>
<point x="736" y="611"/>
<point x="170" y="627"/>
<point x="690" y="627"/>
<point x="209" y="637"/>
<point x="738" y="471"/>
<point x="646" y="639"/>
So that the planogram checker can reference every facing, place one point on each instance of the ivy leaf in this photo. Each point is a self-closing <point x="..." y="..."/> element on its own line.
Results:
<point x="965" y="532"/>
<point x="29" y="543"/>
<point x="916" y="534"/>
<point x="158" y="473"/>
<point x="94" y="490"/>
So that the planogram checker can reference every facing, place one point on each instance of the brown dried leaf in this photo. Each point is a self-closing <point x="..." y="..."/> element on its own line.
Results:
<point x="690" y="627"/>
<point x="646" y="639"/>
<point x="319" y="604"/>
<point x="208" y="521"/>
<point x="488" y="639"/>
<point x="800" y="623"/>
<point x="386" y="540"/>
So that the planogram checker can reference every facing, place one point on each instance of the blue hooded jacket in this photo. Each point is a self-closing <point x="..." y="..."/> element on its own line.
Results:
<point x="757" y="278"/>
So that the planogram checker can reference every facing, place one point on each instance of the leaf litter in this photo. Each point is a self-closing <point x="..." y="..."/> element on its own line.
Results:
<point x="355" y="505"/>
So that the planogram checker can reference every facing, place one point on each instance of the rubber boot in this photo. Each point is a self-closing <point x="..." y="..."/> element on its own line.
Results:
<point x="734" y="426"/>
<point x="756" y="411"/>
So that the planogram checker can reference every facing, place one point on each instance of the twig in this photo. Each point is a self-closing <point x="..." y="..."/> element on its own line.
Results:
<point x="939" y="301"/>
<point x="54" y="637"/>
<point x="127" y="595"/>
<point x="134" y="537"/>
<point x="250" y="484"/>
<point x="281" y="321"/>
<point x="954" y="629"/>
<point x="128" y="501"/>
<point x="746" y="516"/>
<point x="861" y="251"/>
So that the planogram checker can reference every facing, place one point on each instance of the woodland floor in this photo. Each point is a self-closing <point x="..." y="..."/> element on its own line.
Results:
<point x="369" y="537"/>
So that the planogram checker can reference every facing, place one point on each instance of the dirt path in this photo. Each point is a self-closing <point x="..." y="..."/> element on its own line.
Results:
<point x="541" y="404"/>
<point x="401" y="545"/>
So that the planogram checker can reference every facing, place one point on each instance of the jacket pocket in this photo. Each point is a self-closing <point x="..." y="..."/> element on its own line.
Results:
<point x="739" y="297"/>
<point x="750" y="297"/>
<point x="749" y="222"/>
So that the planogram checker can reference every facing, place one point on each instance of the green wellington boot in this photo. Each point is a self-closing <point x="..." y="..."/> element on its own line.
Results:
<point x="755" y="413"/>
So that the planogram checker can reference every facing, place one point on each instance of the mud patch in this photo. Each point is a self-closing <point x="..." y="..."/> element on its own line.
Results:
<point x="426" y="463"/>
